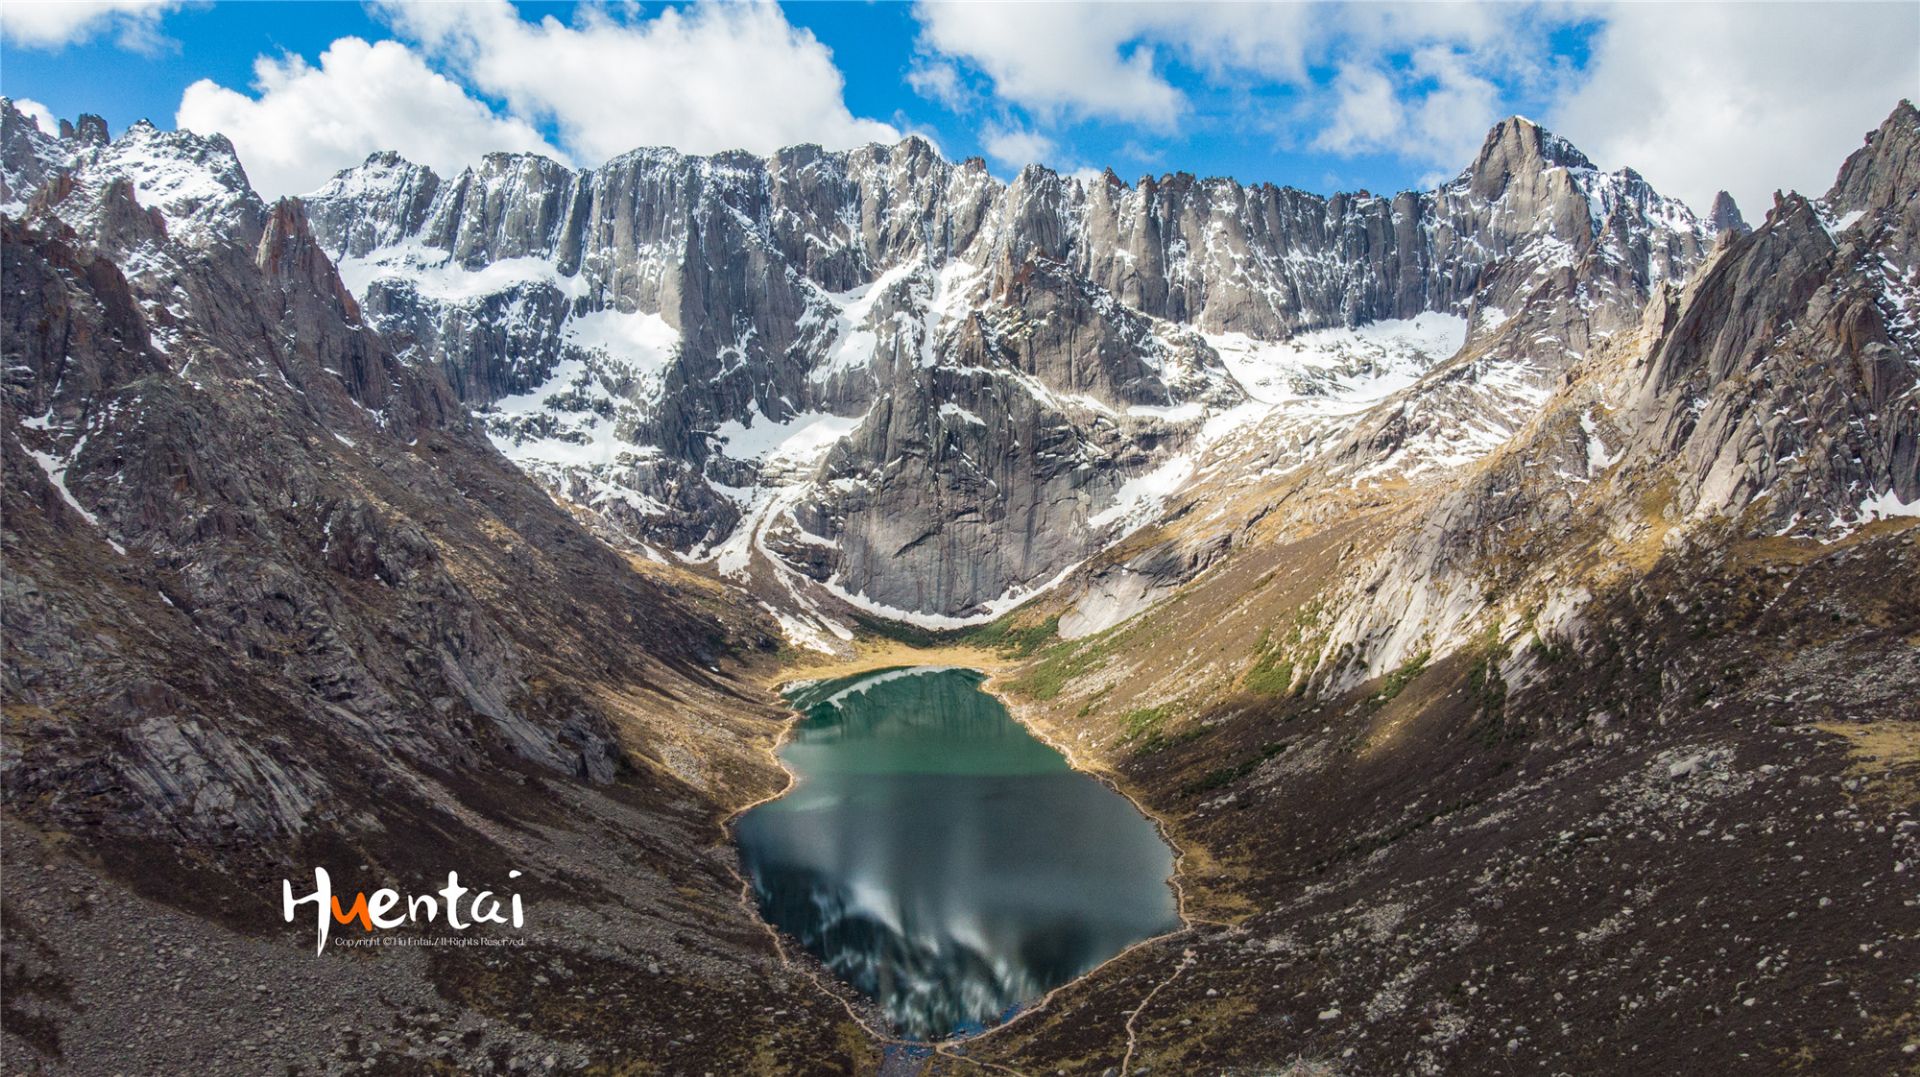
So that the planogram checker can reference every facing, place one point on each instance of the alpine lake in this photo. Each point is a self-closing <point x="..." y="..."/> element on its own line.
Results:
<point x="943" y="860"/>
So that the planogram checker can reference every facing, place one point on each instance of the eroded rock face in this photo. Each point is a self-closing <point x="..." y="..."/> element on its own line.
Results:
<point x="1789" y="378"/>
<point x="644" y="336"/>
<point x="259" y="568"/>
<point x="273" y="602"/>
<point x="1777" y="395"/>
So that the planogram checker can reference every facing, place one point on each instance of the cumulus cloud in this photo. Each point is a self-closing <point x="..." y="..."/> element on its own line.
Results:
<point x="1099" y="61"/>
<point x="304" y="123"/>
<point x="1054" y="58"/>
<point x="1366" y="113"/>
<point x="708" y="78"/>
<point x="1015" y="147"/>
<point x="51" y="25"/>
<point x="1420" y="81"/>
<point x="1435" y="108"/>
<point x="1457" y="103"/>
<point x="41" y="115"/>
<point x="1749" y="97"/>
<point x="937" y="80"/>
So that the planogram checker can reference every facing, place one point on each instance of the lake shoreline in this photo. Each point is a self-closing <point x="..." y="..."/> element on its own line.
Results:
<point x="992" y="669"/>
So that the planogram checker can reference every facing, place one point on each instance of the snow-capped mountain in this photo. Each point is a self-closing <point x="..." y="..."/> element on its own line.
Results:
<point x="932" y="393"/>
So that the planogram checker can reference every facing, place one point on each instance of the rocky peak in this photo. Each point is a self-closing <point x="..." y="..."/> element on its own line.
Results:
<point x="1516" y="146"/>
<point x="375" y="177"/>
<point x="288" y="252"/>
<point x="380" y="159"/>
<point x="1884" y="173"/>
<point x="10" y="115"/>
<point x="90" y="131"/>
<point x="1768" y="274"/>
<point x="1725" y="216"/>
<point x="916" y="153"/>
<point x="378" y="202"/>
<point x="27" y="155"/>
<point x="120" y="221"/>
<point x="195" y="181"/>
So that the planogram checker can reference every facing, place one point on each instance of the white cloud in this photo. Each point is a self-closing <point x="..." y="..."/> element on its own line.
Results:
<point x="1099" y="61"/>
<point x="937" y="80"/>
<point x="1015" y="147"/>
<point x="51" y="25"/>
<point x="1457" y="105"/>
<point x="1747" y="97"/>
<point x="1436" y="109"/>
<point x="1366" y="113"/>
<point x="41" y="115"/>
<point x="1419" y="80"/>
<point x="1081" y="59"/>
<point x="709" y="78"/>
<point x="305" y="123"/>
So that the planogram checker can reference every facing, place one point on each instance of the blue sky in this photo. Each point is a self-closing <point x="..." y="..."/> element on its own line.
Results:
<point x="1322" y="96"/>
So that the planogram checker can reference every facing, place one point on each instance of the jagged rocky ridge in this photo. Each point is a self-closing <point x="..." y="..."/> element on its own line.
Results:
<point x="187" y="379"/>
<point x="931" y="390"/>
<point x="1775" y="395"/>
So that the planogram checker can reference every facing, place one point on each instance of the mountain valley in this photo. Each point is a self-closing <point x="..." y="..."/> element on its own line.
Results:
<point x="1501" y="596"/>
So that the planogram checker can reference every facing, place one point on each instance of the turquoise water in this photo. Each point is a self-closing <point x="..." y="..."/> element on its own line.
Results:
<point x="941" y="859"/>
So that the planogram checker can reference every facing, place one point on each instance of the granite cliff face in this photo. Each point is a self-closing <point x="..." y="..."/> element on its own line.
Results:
<point x="1775" y="396"/>
<point x="926" y="389"/>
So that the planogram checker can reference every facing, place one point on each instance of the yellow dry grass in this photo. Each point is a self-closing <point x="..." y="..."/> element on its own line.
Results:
<point x="1886" y="754"/>
<point x="872" y="654"/>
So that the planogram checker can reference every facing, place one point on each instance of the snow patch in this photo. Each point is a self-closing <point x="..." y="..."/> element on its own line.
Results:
<point x="992" y="609"/>
<point x="798" y="439"/>
<point x="1345" y="368"/>
<point x="1598" y="458"/>
<point x="853" y="339"/>
<point x="645" y="343"/>
<point x="804" y="632"/>
<point x="1888" y="506"/>
<point x="954" y="411"/>
<point x="56" y="470"/>
<point x="433" y="274"/>
<point x="1176" y="413"/>
<point x="1139" y="498"/>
